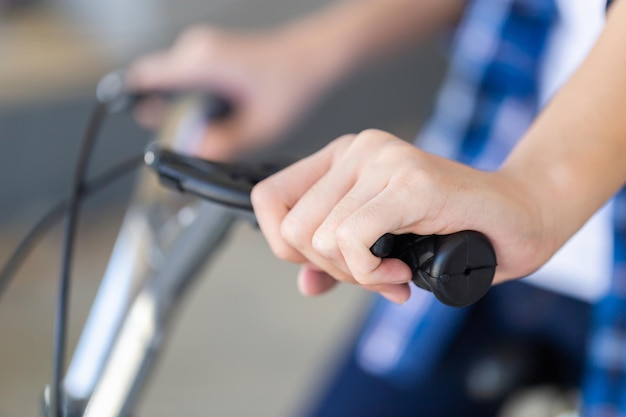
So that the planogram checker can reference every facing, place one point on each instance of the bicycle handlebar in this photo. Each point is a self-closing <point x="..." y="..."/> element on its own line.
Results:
<point x="457" y="268"/>
<point x="113" y="91"/>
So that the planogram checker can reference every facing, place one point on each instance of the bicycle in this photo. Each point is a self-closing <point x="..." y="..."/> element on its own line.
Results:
<point x="163" y="241"/>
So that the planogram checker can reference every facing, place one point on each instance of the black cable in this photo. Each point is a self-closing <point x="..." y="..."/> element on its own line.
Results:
<point x="30" y="240"/>
<point x="73" y="205"/>
<point x="112" y="97"/>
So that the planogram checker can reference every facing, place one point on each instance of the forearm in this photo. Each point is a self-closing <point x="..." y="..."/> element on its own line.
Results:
<point x="573" y="159"/>
<point x="352" y="33"/>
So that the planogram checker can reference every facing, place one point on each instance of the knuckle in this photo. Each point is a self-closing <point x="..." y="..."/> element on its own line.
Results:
<point x="416" y="179"/>
<point x="377" y="145"/>
<point x="422" y="191"/>
<point x="395" y="153"/>
<point x="293" y="233"/>
<point x="344" y="141"/>
<point x="349" y="137"/>
<point x="360" y="268"/>
<point x="373" y="135"/>
<point x="363" y="278"/>
<point x="325" y="246"/>
<point x="261" y="194"/>
<point x="343" y="235"/>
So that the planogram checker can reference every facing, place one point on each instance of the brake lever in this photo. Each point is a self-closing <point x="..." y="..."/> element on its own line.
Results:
<point x="457" y="268"/>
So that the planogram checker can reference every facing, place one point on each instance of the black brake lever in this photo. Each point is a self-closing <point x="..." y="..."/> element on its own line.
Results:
<point x="228" y="184"/>
<point x="457" y="268"/>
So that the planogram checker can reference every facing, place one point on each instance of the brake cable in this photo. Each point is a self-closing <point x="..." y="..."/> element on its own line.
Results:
<point x="54" y="214"/>
<point x="112" y="97"/>
<point x="71" y="222"/>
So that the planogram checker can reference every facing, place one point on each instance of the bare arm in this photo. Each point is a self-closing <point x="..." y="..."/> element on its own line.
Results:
<point x="274" y="76"/>
<point x="351" y="33"/>
<point x="574" y="157"/>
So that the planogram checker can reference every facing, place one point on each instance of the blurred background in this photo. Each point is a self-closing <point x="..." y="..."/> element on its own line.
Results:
<point x="245" y="343"/>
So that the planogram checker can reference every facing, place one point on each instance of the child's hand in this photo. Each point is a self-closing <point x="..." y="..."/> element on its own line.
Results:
<point x="327" y="210"/>
<point x="270" y="78"/>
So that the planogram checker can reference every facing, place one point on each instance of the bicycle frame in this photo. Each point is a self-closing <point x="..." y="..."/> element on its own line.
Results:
<point x="163" y="241"/>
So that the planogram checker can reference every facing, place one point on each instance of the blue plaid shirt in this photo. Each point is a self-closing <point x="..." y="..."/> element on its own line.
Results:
<point x="487" y="102"/>
<point x="605" y="385"/>
<point x="604" y="390"/>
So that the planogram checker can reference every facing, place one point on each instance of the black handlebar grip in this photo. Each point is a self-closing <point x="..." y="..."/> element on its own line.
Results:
<point x="457" y="268"/>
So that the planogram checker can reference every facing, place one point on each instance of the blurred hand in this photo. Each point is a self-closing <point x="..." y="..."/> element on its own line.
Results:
<point x="327" y="210"/>
<point x="269" y="77"/>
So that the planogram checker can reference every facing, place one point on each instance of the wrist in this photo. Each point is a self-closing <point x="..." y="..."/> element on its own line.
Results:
<point x="546" y="227"/>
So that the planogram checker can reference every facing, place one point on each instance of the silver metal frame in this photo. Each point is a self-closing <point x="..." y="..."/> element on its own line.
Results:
<point x="163" y="241"/>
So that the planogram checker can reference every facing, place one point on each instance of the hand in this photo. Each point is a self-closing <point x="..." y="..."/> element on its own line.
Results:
<point x="327" y="210"/>
<point x="271" y="78"/>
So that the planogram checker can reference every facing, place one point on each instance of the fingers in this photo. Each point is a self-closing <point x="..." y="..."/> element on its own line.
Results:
<point x="345" y="236"/>
<point x="186" y="64"/>
<point x="220" y="140"/>
<point x="324" y="238"/>
<point x="396" y="293"/>
<point x="299" y="225"/>
<point x="155" y="73"/>
<point x="273" y="199"/>
<point x="167" y="71"/>
<point x="362" y="228"/>
<point x="314" y="281"/>
<point x="151" y="71"/>
<point x="368" y="210"/>
<point x="192" y="64"/>
<point x="261" y="73"/>
<point x="309" y="212"/>
<point x="151" y="112"/>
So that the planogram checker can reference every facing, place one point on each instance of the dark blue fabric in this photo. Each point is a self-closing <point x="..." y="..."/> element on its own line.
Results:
<point x="494" y="67"/>
<point x="538" y="344"/>
<point x="605" y="385"/>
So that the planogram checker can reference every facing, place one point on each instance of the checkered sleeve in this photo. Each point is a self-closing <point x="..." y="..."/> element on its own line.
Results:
<point x="605" y="383"/>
